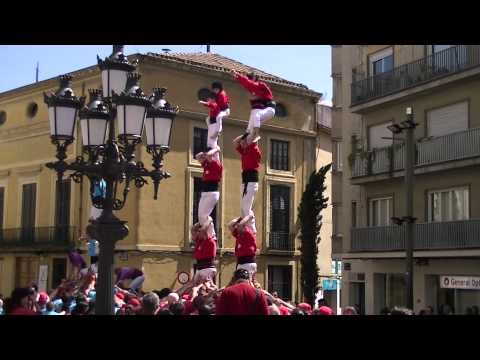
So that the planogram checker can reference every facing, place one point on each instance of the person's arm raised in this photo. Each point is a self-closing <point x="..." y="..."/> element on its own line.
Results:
<point x="245" y="220"/>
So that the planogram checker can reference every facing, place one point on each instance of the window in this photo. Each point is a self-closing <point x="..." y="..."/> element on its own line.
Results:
<point x="59" y="271"/>
<point x="279" y="159"/>
<point x="32" y="109"/>
<point x="280" y="217"/>
<point x="197" y="192"/>
<point x="448" y="205"/>
<point x="3" y="117"/>
<point x="447" y="119"/>
<point x="395" y="290"/>
<point x="338" y="156"/>
<point x="377" y="136"/>
<point x="62" y="210"/>
<point x="204" y="93"/>
<point x="199" y="140"/>
<point x="62" y="206"/>
<point x="29" y="197"/>
<point x="26" y="271"/>
<point x="335" y="219"/>
<point x="354" y="214"/>
<point x="438" y="48"/>
<point x="381" y="61"/>
<point x="381" y="211"/>
<point x="2" y="202"/>
<point x="280" y="110"/>
<point x="280" y="280"/>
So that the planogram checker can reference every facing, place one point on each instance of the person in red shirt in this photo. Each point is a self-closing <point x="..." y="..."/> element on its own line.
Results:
<point x="245" y="245"/>
<point x="263" y="106"/>
<point x="204" y="253"/>
<point x="18" y="304"/>
<point x="212" y="174"/>
<point x="212" y="123"/>
<point x="250" y="156"/>
<point x="223" y="102"/>
<point x="241" y="298"/>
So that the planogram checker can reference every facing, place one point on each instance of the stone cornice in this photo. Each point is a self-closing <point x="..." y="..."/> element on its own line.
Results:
<point x="25" y="131"/>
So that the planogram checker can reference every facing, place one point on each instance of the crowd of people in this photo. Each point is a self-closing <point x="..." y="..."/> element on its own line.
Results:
<point x="242" y="296"/>
<point x="76" y="296"/>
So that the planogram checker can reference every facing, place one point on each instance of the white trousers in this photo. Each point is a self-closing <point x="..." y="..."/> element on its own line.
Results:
<point x="250" y="267"/>
<point x="246" y="202"/>
<point x="137" y="282"/>
<point x="204" y="275"/>
<point x="258" y="117"/>
<point x="207" y="203"/>
<point x="212" y="141"/>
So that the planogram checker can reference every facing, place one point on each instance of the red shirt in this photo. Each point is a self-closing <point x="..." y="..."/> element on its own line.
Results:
<point x="239" y="299"/>
<point x="222" y="100"/>
<point x="205" y="248"/>
<point x="251" y="156"/>
<point x="245" y="244"/>
<point x="212" y="170"/>
<point x="283" y="310"/>
<point x="257" y="89"/>
<point x="213" y="107"/>
<point x="22" y="311"/>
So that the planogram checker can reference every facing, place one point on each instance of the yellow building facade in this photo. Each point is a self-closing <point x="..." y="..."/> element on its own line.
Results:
<point x="159" y="239"/>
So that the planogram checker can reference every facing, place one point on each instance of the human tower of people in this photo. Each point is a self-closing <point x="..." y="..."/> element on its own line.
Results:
<point x="243" y="228"/>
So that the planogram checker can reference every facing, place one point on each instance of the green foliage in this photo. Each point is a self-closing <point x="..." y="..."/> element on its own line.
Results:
<point x="310" y="220"/>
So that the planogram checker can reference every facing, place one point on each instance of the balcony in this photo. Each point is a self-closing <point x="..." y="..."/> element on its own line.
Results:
<point x="389" y="161"/>
<point x="281" y="240"/>
<point x="38" y="238"/>
<point x="428" y="236"/>
<point x="443" y="63"/>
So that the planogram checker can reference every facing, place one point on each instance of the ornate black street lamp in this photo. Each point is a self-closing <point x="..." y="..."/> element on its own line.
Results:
<point x="107" y="158"/>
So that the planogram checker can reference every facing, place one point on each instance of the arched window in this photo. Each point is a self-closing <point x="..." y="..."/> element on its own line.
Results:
<point x="280" y="110"/>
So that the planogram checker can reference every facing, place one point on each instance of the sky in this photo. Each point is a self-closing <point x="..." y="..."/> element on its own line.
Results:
<point x="306" y="64"/>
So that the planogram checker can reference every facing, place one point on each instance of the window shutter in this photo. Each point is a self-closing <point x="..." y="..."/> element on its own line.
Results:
<point x="448" y="119"/>
<point x="29" y="205"/>
<point x="62" y="217"/>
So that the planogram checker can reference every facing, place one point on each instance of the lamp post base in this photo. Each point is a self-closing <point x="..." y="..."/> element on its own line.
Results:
<point x="107" y="229"/>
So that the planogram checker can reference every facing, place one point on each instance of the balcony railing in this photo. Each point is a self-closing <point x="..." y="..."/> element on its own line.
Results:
<point x="428" y="236"/>
<point x="446" y="62"/>
<point x="281" y="240"/>
<point x="457" y="146"/>
<point x="37" y="237"/>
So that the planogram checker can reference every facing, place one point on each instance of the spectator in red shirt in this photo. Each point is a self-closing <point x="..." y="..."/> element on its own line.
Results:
<point x="245" y="245"/>
<point x="241" y="298"/>
<point x="212" y="174"/>
<point x="250" y="155"/>
<point x="263" y="106"/>
<point x="204" y="252"/>
<point x="18" y="304"/>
